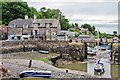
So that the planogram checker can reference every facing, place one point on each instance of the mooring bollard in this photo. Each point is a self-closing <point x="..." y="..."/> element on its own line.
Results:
<point x="30" y="63"/>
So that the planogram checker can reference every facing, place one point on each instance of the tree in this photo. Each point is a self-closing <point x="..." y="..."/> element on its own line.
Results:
<point x="89" y="27"/>
<point x="76" y="25"/>
<point x="114" y="33"/>
<point x="14" y="10"/>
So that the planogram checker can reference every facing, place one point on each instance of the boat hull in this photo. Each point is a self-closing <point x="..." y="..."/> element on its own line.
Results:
<point x="35" y="74"/>
<point x="43" y="52"/>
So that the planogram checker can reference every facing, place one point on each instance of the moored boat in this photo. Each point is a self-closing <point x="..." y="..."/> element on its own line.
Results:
<point x="35" y="73"/>
<point x="99" y="68"/>
<point x="43" y="52"/>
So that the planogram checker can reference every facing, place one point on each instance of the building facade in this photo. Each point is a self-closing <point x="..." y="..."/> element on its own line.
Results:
<point x="3" y="32"/>
<point x="45" y="29"/>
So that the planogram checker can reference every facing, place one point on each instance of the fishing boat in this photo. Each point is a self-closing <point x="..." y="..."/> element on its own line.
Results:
<point x="43" y="51"/>
<point x="35" y="73"/>
<point x="99" y="68"/>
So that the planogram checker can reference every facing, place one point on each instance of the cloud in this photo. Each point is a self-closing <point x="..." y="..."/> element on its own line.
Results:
<point x="72" y="0"/>
<point x="83" y="11"/>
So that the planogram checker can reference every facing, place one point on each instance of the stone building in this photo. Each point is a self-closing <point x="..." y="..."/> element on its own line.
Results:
<point x="3" y="32"/>
<point x="45" y="29"/>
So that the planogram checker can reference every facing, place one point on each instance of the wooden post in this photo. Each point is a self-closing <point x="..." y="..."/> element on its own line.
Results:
<point x="30" y="63"/>
<point x="118" y="55"/>
<point x="111" y="46"/>
<point x="114" y="59"/>
<point x="85" y="50"/>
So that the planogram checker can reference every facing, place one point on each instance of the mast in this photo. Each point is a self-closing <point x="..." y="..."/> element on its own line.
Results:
<point x="98" y="37"/>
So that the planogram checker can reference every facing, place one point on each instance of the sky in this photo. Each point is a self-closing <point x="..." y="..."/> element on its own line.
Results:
<point x="101" y="13"/>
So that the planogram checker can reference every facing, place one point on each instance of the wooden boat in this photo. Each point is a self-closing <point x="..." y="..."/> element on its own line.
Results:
<point x="35" y="73"/>
<point x="43" y="51"/>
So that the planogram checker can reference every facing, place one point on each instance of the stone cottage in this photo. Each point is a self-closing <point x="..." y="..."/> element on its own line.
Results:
<point x="45" y="29"/>
<point x="3" y="32"/>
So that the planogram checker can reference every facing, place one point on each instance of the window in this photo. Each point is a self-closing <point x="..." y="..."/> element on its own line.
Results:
<point x="25" y="25"/>
<point x="48" y="24"/>
<point x="38" y="24"/>
<point x="36" y="32"/>
<point x="12" y="37"/>
<point x="12" y="26"/>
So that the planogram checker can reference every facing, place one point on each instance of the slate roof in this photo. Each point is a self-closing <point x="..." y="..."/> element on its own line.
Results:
<point x="21" y="22"/>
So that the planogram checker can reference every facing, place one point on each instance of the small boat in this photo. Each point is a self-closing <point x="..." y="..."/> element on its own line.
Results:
<point x="99" y="68"/>
<point x="91" y="51"/>
<point x="104" y="47"/>
<point x="36" y="74"/>
<point x="43" y="51"/>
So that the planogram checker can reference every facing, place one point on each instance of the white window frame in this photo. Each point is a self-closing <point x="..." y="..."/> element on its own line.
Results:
<point x="25" y="25"/>
<point x="12" y="26"/>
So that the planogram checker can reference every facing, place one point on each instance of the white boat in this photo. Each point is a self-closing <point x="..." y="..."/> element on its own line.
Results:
<point x="91" y="51"/>
<point x="35" y="73"/>
<point x="99" y="68"/>
<point x="43" y="52"/>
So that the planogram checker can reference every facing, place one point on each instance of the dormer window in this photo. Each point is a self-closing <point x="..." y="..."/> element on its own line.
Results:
<point x="48" y="24"/>
<point x="25" y="26"/>
<point x="12" y="26"/>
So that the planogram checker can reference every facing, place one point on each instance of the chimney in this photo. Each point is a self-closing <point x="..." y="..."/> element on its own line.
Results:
<point x="35" y="17"/>
<point x="26" y="16"/>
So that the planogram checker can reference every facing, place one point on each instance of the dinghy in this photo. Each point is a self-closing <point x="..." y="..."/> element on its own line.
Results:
<point x="104" y="47"/>
<point x="35" y="73"/>
<point x="99" y="68"/>
<point x="43" y="52"/>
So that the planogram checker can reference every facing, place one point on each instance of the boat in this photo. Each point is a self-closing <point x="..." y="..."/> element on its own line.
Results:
<point x="91" y="51"/>
<point x="99" y="68"/>
<point x="43" y="51"/>
<point x="35" y="73"/>
<point x="104" y="47"/>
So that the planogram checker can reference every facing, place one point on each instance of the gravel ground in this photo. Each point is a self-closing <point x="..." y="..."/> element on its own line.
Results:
<point x="17" y="65"/>
<point x="18" y="62"/>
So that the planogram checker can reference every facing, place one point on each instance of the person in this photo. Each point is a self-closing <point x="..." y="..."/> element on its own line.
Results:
<point x="99" y="62"/>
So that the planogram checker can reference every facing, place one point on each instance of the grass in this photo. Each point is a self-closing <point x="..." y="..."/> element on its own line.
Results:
<point x="115" y="71"/>
<point x="46" y="60"/>
<point x="75" y="66"/>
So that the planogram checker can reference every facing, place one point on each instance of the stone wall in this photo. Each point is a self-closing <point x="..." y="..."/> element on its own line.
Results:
<point x="74" y="50"/>
<point x="29" y="45"/>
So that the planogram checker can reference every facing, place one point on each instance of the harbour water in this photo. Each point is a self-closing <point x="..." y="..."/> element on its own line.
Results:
<point x="111" y="70"/>
<point x="107" y="68"/>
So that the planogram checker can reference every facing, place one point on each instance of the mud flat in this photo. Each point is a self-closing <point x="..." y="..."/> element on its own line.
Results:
<point x="17" y="65"/>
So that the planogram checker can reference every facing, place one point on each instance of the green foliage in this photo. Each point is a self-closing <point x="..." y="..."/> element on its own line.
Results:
<point x="90" y="28"/>
<point x="114" y="32"/>
<point x="14" y="10"/>
<point x="42" y="59"/>
<point x="74" y="25"/>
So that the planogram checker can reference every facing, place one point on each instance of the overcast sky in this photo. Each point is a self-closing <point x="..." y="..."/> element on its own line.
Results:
<point x="101" y="13"/>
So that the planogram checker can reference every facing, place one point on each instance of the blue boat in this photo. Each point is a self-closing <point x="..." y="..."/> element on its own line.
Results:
<point x="104" y="47"/>
<point x="43" y="51"/>
<point x="36" y="74"/>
